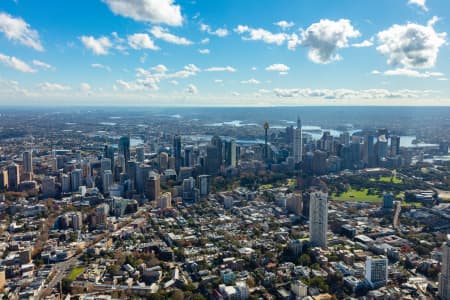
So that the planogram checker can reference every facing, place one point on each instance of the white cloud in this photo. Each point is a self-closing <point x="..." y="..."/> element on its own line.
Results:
<point x="235" y="94"/>
<point x="15" y="63"/>
<point x="204" y="41"/>
<point x="99" y="46"/>
<point x="260" y="34"/>
<point x="174" y="82"/>
<point x="53" y="87"/>
<point x="325" y="37"/>
<point x="130" y="86"/>
<point x="192" y="68"/>
<point x="409" y="73"/>
<point x="141" y="41"/>
<point x="251" y="81"/>
<point x="41" y="64"/>
<point x="191" y="89"/>
<point x="164" y="34"/>
<point x="100" y="66"/>
<point x="220" y="32"/>
<point x="85" y="87"/>
<point x="369" y="94"/>
<point x="420" y="3"/>
<point x="221" y="69"/>
<point x="12" y="88"/>
<point x="363" y="44"/>
<point x="284" y="24"/>
<point x="203" y="51"/>
<point x="154" y="11"/>
<point x="16" y="29"/>
<point x="160" y="68"/>
<point x="218" y="80"/>
<point x="411" y="45"/>
<point x="278" y="68"/>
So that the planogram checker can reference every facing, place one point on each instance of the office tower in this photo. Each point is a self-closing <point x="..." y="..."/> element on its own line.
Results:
<point x="355" y="148"/>
<point x="189" y="189"/>
<point x="204" y="183"/>
<point x="142" y="173"/>
<point x="266" y="146"/>
<point x="299" y="289"/>
<point x="177" y="152"/>
<point x="212" y="160"/>
<point x="48" y="187"/>
<point x="345" y="153"/>
<point x="294" y="203"/>
<point x="75" y="179"/>
<point x="163" y="161"/>
<point x="371" y="157"/>
<point x="344" y="138"/>
<point x="381" y="148"/>
<point x="124" y="149"/>
<point x="388" y="201"/>
<point x="165" y="201"/>
<point x="3" y="179"/>
<point x="65" y="183"/>
<point x="152" y="187"/>
<point x="102" y="213"/>
<point x="318" y="219"/>
<point x="298" y="142"/>
<point x="395" y="145"/>
<point x="230" y="153"/>
<point x="319" y="162"/>
<point x="13" y="177"/>
<point x="77" y="220"/>
<point x="140" y="153"/>
<point x="376" y="271"/>
<point x="107" y="181"/>
<point x="216" y="141"/>
<point x="188" y="151"/>
<point x="108" y="152"/>
<point x="444" y="277"/>
<point x="27" y="157"/>
<point x="105" y="165"/>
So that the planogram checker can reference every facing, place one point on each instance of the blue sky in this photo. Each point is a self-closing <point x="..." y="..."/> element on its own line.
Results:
<point x="224" y="53"/>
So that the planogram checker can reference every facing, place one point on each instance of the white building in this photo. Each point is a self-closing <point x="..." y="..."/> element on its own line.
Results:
<point x="298" y="142"/>
<point x="165" y="201"/>
<point x="377" y="271"/>
<point x="299" y="289"/>
<point x="318" y="219"/>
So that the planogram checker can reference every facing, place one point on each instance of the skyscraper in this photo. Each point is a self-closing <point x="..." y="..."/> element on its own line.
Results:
<point x="230" y="153"/>
<point x="13" y="177"/>
<point x="212" y="160"/>
<point x="108" y="152"/>
<point x="75" y="179"/>
<point x="177" y="152"/>
<point x="266" y="146"/>
<point x="395" y="145"/>
<point x="140" y="153"/>
<point x="298" y="142"/>
<point x="318" y="219"/>
<point x="377" y="271"/>
<point x="217" y="141"/>
<point x="152" y="187"/>
<point x="444" y="277"/>
<point x="124" y="148"/>
<point x="27" y="162"/>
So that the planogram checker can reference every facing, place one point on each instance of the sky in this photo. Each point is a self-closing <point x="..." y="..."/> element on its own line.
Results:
<point x="224" y="52"/>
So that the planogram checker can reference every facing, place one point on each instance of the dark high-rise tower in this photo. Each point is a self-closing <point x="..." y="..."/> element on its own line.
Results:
<point x="216" y="141"/>
<point x="177" y="152"/>
<point x="266" y="147"/>
<point x="124" y="148"/>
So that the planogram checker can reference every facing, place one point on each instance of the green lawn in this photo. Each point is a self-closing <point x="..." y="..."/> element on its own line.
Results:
<point x="357" y="196"/>
<point x="394" y="180"/>
<point x="77" y="271"/>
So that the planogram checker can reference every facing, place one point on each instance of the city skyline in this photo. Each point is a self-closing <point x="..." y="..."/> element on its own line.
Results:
<point x="187" y="53"/>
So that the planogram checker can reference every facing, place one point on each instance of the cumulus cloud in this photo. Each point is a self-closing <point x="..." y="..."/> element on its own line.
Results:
<point x="100" y="66"/>
<point x="53" y="87"/>
<point x="221" y="69"/>
<point x="278" y="68"/>
<point x="15" y="63"/>
<point x="191" y="89"/>
<point x="130" y="86"/>
<point x="325" y="37"/>
<point x="284" y="24"/>
<point x="420" y="3"/>
<point x="41" y="64"/>
<point x="164" y="34"/>
<point x="160" y="68"/>
<point x="153" y="11"/>
<point x="409" y="73"/>
<point x="411" y="45"/>
<point x="17" y="30"/>
<point x="141" y="41"/>
<point x="99" y="46"/>
<point x="259" y="34"/>
<point x="220" y="32"/>
<point x="85" y="87"/>
<point x="251" y="81"/>
<point x="363" y="44"/>
<point x="203" y="51"/>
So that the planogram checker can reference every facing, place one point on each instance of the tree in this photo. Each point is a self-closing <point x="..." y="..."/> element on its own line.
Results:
<point x="305" y="259"/>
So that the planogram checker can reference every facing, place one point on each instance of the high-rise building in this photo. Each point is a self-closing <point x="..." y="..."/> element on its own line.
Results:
<point x="177" y="152"/>
<point x="108" y="152"/>
<point x="318" y="218"/>
<point x="294" y="203"/>
<point x="77" y="220"/>
<point x="13" y="177"/>
<point x="188" y="152"/>
<point x="388" y="201"/>
<point x="65" y="183"/>
<point x="105" y="165"/>
<point x="204" y="183"/>
<point x="3" y="179"/>
<point x="140" y="153"/>
<point x="212" y="160"/>
<point x="189" y="189"/>
<point x="27" y="157"/>
<point x="298" y="142"/>
<point x="124" y="149"/>
<point x="165" y="201"/>
<point x="163" y="161"/>
<point x="75" y="179"/>
<point x="48" y="187"/>
<point x="152" y="187"/>
<point x="230" y="153"/>
<point x="444" y="277"/>
<point x="395" y="145"/>
<point x="217" y="142"/>
<point x="107" y="181"/>
<point x="377" y="271"/>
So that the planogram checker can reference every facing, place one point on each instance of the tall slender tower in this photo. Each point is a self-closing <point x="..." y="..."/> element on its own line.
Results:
<point x="444" y="277"/>
<point x="318" y="219"/>
<point x="298" y="142"/>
